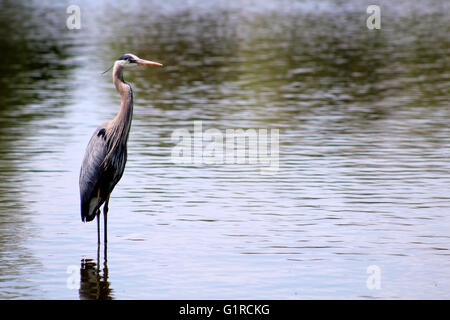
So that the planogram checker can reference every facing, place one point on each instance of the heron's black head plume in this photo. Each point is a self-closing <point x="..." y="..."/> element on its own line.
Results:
<point x="107" y="70"/>
<point x="128" y="57"/>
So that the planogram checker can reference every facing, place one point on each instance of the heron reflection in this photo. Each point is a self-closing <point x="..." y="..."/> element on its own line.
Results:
<point x="94" y="284"/>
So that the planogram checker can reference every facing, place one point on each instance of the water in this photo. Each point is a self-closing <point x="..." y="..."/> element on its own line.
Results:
<point x="363" y="173"/>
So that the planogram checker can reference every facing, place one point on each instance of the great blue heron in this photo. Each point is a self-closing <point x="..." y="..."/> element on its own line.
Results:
<point x="106" y="153"/>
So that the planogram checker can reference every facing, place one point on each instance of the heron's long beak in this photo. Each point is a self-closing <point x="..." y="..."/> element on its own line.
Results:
<point x="149" y="63"/>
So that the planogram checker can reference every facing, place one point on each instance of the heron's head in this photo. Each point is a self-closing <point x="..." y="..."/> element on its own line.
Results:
<point x="129" y="60"/>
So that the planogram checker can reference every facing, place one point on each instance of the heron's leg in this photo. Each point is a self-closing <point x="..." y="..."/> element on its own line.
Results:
<point x="98" y="226"/>
<point x="105" y="214"/>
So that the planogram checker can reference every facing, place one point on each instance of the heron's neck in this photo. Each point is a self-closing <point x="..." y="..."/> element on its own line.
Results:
<point x="122" y="122"/>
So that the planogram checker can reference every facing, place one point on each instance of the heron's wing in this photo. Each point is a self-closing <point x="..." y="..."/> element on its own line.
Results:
<point x="92" y="170"/>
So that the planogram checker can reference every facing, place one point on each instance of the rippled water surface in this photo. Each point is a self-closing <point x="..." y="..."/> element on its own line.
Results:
<point x="363" y="177"/>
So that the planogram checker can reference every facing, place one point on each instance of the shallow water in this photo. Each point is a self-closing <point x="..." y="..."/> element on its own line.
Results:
<point x="364" y="141"/>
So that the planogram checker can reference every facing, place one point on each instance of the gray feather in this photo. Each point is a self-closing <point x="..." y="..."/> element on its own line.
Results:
<point x="99" y="173"/>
